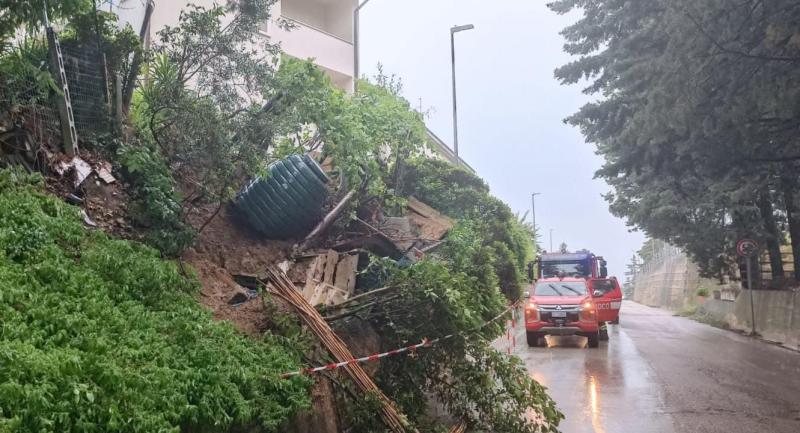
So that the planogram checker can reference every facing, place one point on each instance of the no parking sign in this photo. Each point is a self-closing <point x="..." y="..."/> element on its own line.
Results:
<point x="747" y="247"/>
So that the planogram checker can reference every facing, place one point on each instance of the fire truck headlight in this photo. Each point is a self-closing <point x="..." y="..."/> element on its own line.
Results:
<point x="532" y="311"/>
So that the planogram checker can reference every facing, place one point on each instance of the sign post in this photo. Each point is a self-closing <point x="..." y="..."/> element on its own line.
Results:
<point x="748" y="248"/>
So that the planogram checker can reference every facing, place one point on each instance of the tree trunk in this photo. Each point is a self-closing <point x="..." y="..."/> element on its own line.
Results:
<point x="772" y="236"/>
<point x="130" y="80"/>
<point x="793" y="218"/>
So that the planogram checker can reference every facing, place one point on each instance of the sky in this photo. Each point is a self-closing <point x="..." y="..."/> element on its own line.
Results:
<point x="510" y="108"/>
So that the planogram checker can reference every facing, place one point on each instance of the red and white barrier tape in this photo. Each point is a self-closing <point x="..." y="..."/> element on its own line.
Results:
<point x="511" y="330"/>
<point x="374" y="357"/>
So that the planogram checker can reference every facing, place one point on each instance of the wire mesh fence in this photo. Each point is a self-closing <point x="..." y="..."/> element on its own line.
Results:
<point x="31" y="120"/>
<point x="88" y="87"/>
<point x="29" y="104"/>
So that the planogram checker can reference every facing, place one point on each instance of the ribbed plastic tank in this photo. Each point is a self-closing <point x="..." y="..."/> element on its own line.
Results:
<point x="288" y="201"/>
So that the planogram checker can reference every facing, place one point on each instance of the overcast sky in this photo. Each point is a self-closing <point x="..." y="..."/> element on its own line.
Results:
<point x="510" y="108"/>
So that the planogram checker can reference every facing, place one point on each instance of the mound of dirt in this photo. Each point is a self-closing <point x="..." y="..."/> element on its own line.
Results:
<point x="227" y="246"/>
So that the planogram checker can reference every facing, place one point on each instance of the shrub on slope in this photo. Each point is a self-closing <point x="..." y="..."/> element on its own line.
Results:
<point x="101" y="335"/>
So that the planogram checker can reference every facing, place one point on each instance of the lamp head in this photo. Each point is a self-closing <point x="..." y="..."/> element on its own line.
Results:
<point x="456" y="29"/>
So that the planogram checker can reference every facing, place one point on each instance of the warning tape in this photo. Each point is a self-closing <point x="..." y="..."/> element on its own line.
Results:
<point x="412" y="348"/>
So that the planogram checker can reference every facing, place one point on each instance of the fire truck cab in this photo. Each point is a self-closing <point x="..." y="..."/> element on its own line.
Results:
<point x="561" y="306"/>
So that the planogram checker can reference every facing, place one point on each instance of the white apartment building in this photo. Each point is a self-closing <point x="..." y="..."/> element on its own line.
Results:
<point x="322" y="29"/>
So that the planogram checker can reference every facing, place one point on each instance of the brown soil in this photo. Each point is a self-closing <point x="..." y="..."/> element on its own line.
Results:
<point x="105" y="204"/>
<point x="227" y="246"/>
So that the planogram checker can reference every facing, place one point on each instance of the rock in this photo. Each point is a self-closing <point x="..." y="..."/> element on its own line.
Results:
<point x="238" y="298"/>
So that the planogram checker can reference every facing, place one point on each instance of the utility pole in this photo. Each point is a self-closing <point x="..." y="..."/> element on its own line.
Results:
<point x="453" y="31"/>
<point x="356" y="45"/>
<point x="551" y="240"/>
<point x="533" y="214"/>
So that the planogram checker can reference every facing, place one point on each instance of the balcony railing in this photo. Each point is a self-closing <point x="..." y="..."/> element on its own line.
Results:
<point x="305" y="41"/>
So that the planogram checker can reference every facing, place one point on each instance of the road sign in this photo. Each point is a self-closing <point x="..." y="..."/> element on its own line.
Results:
<point x="747" y="247"/>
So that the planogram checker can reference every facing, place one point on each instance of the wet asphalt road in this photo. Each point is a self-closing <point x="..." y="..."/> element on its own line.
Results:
<point x="662" y="374"/>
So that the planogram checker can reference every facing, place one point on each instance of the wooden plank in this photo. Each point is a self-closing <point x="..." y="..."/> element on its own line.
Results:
<point x="332" y="258"/>
<point x="314" y="275"/>
<point x="346" y="274"/>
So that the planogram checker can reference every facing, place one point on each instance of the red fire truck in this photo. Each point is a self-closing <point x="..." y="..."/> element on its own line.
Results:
<point x="603" y="291"/>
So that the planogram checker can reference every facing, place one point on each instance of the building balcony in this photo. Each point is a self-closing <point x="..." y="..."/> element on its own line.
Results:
<point x="322" y="30"/>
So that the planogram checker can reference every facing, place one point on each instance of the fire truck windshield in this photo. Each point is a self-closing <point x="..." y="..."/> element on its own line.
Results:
<point x="562" y="288"/>
<point x="569" y="268"/>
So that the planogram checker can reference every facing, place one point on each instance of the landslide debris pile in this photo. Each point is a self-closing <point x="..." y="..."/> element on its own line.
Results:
<point x="102" y="335"/>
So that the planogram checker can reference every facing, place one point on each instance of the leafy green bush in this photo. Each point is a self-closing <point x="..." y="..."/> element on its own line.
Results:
<point x="24" y="74"/>
<point x="118" y="44"/>
<point x="201" y="105"/>
<point x="464" y="196"/>
<point x="473" y="381"/>
<point x="101" y="335"/>
<point x="365" y="135"/>
<point x="702" y="292"/>
<point x="156" y="204"/>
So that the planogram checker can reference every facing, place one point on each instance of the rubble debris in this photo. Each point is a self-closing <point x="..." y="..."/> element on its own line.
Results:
<point x="410" y="236"/>
<point x="81" y="168"/>
<point x="242" y="296"/>
<point x="283" y="288"/>
<point x="17" y="159"/>
<point x="377" y="244"/>
<point x="330" y="278"/>
<point x="74" y="199"/>
<point x="430" y="223"/>
<point x="399" y="230"/>
<point x="104" y="172"/>
<point x="86" y="220"/>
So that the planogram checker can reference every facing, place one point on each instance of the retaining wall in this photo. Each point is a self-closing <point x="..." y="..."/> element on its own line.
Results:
<point x="673" y="285"/>
<point x="777" y="314"/>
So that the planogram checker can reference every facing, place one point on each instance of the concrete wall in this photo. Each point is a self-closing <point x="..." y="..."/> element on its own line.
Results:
<point x="777" y="315"/>
<point x="673" y="285"/>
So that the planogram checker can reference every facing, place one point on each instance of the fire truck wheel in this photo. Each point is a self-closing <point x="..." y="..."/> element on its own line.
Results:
<point x="615" y="321"/>
<point x="533" y="338"/>
<point x="594" y="340"/>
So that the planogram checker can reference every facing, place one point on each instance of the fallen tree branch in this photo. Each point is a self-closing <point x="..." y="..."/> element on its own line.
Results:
<point x="361" y="296"/>
<point x="328" y="221"/>
<point x="358" y="309"/>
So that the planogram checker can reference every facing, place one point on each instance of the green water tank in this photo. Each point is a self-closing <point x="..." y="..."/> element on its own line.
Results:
<point x="287" y="202"/>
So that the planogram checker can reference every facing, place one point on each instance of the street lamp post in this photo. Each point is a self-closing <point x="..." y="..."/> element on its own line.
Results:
<point x="453" y="31"/>
<point x="533" y="213"/>
<point x="356" y="46"/>
<point x="551" y="240"/>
